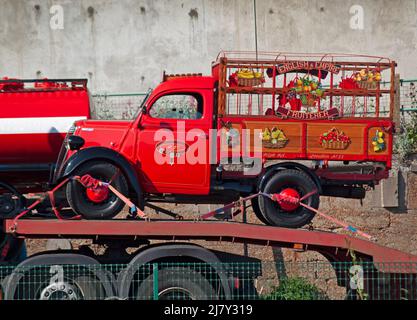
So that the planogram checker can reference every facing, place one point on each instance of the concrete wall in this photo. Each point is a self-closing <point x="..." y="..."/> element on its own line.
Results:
<point x="125" y="45"/>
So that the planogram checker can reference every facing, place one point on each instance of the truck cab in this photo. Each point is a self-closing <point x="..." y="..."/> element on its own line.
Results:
<point x="297" y="126"/>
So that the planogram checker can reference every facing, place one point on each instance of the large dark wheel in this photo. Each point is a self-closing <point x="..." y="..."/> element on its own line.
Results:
<point x="296" y="184"/>
<point x="36" y="284"/>
<point x="257" y="210"/>
<point x="177" y="284"/>
<point x="11" y="201"/>
<point x="97" y="203"/>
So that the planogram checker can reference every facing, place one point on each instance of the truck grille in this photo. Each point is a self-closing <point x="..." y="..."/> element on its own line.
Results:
<point x="59" y="166"/>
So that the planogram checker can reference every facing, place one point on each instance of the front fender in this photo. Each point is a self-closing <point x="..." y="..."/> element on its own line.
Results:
<point x="105" y="154"/>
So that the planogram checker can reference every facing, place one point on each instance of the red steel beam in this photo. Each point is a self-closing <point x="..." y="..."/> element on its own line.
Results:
<point x="207" y="230"/>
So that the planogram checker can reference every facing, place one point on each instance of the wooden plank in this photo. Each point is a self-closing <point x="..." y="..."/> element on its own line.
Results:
<point x="354" y="131"/>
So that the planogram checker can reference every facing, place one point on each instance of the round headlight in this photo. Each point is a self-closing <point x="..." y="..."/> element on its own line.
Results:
<point x="75" y="142"/>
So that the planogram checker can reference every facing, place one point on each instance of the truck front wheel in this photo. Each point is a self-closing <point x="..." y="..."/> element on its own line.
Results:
<point x="293" y="183"/>
<point x="100" y="202"/>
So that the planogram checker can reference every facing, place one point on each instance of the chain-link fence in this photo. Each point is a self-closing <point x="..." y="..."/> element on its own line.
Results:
<point x="408" y="102"/>
<point x="201" y="281"/>
<point x="118" y="106"/>
<point x="124" y="106"/>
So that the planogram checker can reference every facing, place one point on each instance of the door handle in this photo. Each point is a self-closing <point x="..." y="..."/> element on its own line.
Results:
<point x="165" y="125"/>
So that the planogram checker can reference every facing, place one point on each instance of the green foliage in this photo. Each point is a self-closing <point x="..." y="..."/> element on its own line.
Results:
<point x="406" y="142"/>
<point x="295" y="288"/>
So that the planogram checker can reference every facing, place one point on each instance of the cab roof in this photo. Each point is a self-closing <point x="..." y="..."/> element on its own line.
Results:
<point x="191" y="81"/>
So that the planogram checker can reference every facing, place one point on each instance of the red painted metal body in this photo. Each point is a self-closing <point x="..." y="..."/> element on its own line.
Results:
<point x="36" y="119"/>
<point x="137" y="142"/>
<point x="35" y="116"/>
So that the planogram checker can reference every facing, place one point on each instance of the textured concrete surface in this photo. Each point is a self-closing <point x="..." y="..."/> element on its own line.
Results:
<point x="412" y="185"/>
<point x="124" y="46"/>
<point x="389" y="192"/>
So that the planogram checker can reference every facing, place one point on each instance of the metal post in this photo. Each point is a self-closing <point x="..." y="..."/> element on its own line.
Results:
<point x="244" y="220"/>
<point x="397" y="102"/>
<point x="155" y="281"/>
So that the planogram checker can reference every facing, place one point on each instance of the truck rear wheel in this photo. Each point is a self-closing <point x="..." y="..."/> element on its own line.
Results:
<point x="177" y="284"/>
<point x="257" y="210"/>
<point x="97" y="203"/>
<point x="85" y="287"/>
<point x="293" y="183"/>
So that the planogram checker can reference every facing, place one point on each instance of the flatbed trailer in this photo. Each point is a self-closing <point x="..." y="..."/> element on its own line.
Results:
<point x="398" y="267"/>
<point x="332" y="245"/>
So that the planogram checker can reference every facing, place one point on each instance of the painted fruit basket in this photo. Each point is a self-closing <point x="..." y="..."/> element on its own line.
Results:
<point x="334" y="140"/>
<point x="367" y="79"/>
<point x="309" y="91"/>
<point x="367" y="85"/>
<point x="274" y="138"/>
<point x="249" y="78"/>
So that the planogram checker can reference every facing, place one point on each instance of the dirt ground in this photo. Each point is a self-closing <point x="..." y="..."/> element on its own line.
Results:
<point x="391" y="227"/>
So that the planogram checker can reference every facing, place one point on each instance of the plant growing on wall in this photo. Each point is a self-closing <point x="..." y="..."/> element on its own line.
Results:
<point x="406" y="143"/>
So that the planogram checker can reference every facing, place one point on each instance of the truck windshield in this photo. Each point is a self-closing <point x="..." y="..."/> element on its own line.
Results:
<point x="145" y="99"/>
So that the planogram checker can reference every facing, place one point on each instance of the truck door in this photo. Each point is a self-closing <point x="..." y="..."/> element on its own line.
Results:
<point x="173" y="142"/>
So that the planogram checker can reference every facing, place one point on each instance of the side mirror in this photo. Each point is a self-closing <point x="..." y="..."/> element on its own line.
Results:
<point x="144" y="111"/>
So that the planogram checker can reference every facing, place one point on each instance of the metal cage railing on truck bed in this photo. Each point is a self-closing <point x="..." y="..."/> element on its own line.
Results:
<point x="258" y="84"/>
<point x="314" y="280"/>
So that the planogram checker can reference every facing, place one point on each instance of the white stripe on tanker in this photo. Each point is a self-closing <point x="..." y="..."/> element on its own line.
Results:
<point x="37" y="125"/>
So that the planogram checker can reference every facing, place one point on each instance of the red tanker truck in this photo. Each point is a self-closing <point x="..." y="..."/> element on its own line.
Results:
<point x="35" y="116"/>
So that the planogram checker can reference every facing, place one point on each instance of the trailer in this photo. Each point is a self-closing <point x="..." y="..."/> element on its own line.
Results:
<point x="210" y="277"/>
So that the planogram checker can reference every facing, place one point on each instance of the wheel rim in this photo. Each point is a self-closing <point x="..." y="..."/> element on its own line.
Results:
<point x="7" y="204"/>
<point x="11" y="201"/>
<point x="98" y="194"/>
<point x="175" y="293"/>
<point x="286" y="205"/>
<point x="284" y="208"/>
<point x="59" y="291"/>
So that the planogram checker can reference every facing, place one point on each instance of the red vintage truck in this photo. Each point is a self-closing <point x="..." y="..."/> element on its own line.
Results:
<point x="248" y="127"/>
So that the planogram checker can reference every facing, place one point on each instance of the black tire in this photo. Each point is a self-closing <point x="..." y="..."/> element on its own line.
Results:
<point x="301" y="216"/>
<point x="11" y="201"/>
<point x="90" y="288"/>
<point x="257" y="210"/>
<point x="76" y="193"/>
<point x="35" y="285"/>
<point x="177" y="284"/>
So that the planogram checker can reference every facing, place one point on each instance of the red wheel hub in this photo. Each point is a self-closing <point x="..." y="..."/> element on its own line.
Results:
<point x="97" y="194"/>
<point x="288" y="199"/>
